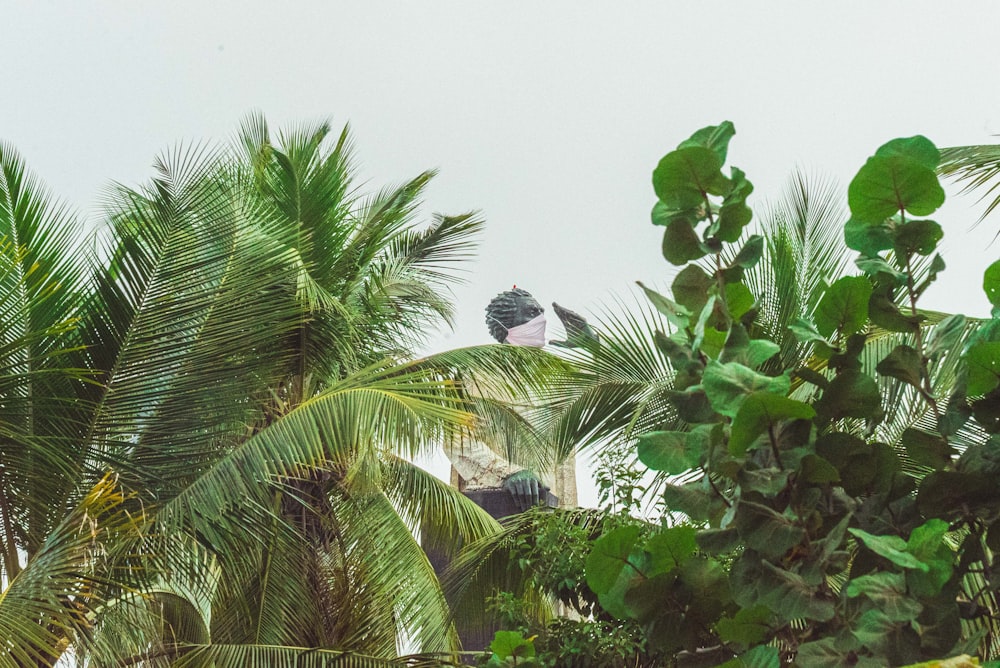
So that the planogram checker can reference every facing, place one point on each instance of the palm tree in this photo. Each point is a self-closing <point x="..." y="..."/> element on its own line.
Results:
<point x="234" y="346"/>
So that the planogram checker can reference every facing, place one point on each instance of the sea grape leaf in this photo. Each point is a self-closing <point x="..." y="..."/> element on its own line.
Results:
<point x="874" y="630"/>
<point x="508" y="644"/>
<point x="739" y="299"/>
<point x="690" y="287"/>
<point x="769" y="482"/>
<point x="926" y="448"/>
<point x="991" y="283"/>
<point x="851" y="394"/>
<point x="762" y="656"/>
<point x="867" y="238"/>
<point x="791" y="597"/>
<point x="888" y="592"/>
<point x="891" y="547"/>
<point x="675" y="313"/>
<point x="759" y="351"/>
<point x="768" y="532"/>
<point x="946" y="493"/>
<point x="759" y="411"/>
<point x="844" y="306"/>
<point x="822" y="654"/>
<point x="983" y="360"/>
<point x="916" y="236"/>
<point x="694" y="500"/>
<point x="945" y="335"/>
<point x="926" y="543"/>
<point x="684" y="177"/>
<point x="883" y="312"/>
<point x="896" y="179"/>
<point x="671" y="451"/>
<point x="917" y="148"/>
<point x="904" y="364"/>
<point x="611" y="553"/>
<point x="714" y="137"/>
<point x="747" y="627"/>
<point x="734" y="214"/>
<point x="751" y="252"/>
<point x="671" y="548"/>
<point x="680" y="242"/>
<point x="727" y="385"/>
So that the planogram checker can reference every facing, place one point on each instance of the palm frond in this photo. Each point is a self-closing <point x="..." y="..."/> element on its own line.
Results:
<point x="48" y="604"/>
<point x="977" y="168"/>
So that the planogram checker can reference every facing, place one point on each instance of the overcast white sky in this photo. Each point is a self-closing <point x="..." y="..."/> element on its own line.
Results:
<point x="548" y="116"/>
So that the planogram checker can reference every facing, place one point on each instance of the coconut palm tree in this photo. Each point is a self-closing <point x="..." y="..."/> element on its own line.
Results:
<point x="235" y="345"/>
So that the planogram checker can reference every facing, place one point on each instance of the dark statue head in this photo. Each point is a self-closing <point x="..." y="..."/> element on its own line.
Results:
<point x="510" y="309"/>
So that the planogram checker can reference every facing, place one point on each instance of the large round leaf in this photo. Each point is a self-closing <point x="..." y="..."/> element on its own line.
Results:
<point x="685" y="176"/>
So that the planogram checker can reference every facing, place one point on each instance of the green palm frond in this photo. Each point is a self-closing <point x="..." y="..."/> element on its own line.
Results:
<point x="977" y="168"/>
<point x="49" y="602"/>
<point x="265" y="656"/>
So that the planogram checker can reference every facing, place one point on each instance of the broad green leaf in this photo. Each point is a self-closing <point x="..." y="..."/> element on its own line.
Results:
<point x="690" y="287"/>
<point x="947" y="493"/>
<point x="894" y="180"/>
<point x="805" y="332"/>
<point x="916" y="236"/>
<point x="643" y="600"/>
<point x="696" y="500"/>
<point x="770" y="481"/>
<point x="727" y="385"/>
<point x="675" y="313"/>
<point x="823" y="653"/>
<point x="945" y="335"/>
<point x="844" y="306"/>
<point x="747" y="627"/>
<point x="817" y="470"/>
<point x="684" y="177"/>
<point x="768" y="532"/>
<point x="680" y="243"/>
<point x="917" y="148"/>
<point x="883" y="312"/>
<point x="759" y="351"/>
<point x="721" y="541"/>
<point x="902" y="363"/>
<point x="991" y="283"/>
<point x="892" y="548"/>
<point x="791" y="597"/>
<point x="751" y="252"/>
<point x="888" y="592"/>
<point x="874" y="630"/>
<point x="851" y="394"/>
<point x="714" y="137"/>
<point x="759" y="412"/>
<point x="867" y="238"/>
<point x="739" y="299"/>
<point x="983" y="360"/>
<point x="763" y="656"/>
<point x="926" y="448"/>
<point x="671" y="451"/>
<point x="508" y="644"/>
<point x="670" y="549"/>
<point x="734" y="214"/>
<point x="877" y="266"/>
<point x="609" y="555"/>
<point x="926" y="543"/>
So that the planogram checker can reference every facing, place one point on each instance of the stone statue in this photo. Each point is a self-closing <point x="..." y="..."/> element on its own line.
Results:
<point x="514" y="317"/>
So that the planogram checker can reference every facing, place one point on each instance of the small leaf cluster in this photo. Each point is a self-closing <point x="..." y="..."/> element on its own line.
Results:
<point x="824" y="542"/>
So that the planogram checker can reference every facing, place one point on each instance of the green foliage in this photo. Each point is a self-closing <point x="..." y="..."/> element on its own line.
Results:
<point x="830" y="536"/>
